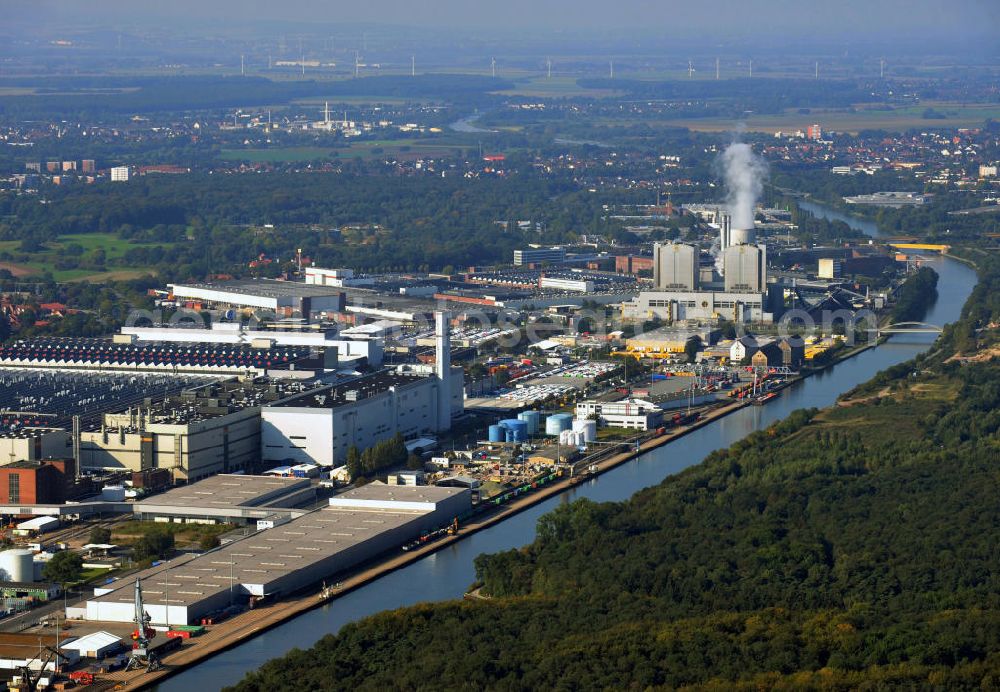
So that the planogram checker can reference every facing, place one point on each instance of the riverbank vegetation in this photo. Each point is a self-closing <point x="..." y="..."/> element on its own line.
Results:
<point x="844" y="548"/>
<point x="915" y="296"/>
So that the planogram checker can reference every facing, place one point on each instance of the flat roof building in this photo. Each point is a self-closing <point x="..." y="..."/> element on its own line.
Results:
<point x="555" y="255"/>
<point x="287" y="298"/>
<point x="228" y="498"/>
<point x="286" y="558"/>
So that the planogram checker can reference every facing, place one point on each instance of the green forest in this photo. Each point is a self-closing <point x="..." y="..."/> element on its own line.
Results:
<point x="849" y="548"/>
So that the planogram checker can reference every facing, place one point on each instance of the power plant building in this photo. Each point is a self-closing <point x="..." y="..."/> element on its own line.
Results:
<point x="673" y="306"/>
<point x="675" y="266"/>
<point x="744" y="268"/>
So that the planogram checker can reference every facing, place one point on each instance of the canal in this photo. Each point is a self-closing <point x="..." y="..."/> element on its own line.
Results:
<point x="447" y="573"/>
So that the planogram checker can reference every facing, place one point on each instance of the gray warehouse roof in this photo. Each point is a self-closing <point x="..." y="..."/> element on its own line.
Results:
<point x="266" y="288"/>
<point x="225" y="491"/>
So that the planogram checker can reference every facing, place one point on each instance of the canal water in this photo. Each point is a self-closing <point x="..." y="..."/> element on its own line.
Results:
<point x="447" y="573"/>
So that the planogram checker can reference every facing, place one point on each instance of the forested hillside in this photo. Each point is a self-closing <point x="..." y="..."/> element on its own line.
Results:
<point x="854" y="547"/>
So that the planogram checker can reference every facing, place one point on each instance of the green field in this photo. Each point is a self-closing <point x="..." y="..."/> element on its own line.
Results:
<point x="113" y="246"/>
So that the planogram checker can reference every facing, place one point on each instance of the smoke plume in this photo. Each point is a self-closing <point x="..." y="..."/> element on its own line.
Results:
<point x="744" y="173"/>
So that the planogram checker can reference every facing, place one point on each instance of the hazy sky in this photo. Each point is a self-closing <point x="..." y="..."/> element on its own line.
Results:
<point x="824" y="18"/>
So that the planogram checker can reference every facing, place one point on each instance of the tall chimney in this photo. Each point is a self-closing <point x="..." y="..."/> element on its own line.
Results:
<point x="442" y="367"/>
<point x="725" y="231"/>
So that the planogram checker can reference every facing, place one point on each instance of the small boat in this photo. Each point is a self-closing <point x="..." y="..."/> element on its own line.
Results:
<point x="764" y="398"/>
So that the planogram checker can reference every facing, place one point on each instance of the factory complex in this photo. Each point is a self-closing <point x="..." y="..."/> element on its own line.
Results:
<point x="197" y="401"/>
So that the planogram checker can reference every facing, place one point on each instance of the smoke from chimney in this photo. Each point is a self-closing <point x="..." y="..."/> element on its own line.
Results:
<point x="744" y="173"/>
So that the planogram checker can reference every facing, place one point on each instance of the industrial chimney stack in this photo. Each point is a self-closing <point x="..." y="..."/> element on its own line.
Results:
<point x="442" y="366"/>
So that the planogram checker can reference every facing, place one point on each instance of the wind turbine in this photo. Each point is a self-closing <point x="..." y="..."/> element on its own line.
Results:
<point x="548" y="65"/>
<point x="493" y="66"/>
<point x="690" y="69"/>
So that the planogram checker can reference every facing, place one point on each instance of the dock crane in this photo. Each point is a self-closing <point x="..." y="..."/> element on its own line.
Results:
<point x="30" y="678"/>
<point x="141" y="655"/>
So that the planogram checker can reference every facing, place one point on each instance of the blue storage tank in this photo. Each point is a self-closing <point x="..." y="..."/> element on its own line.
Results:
<point x="532" y="418"/>
<point x="519" y="430"/>
<point x="497" y="433"/>
<point x="558" y="422"/>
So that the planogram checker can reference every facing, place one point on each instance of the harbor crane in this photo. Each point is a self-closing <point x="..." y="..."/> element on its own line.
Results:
<point x="143" y="634"/>
<point x="30" y="678"/>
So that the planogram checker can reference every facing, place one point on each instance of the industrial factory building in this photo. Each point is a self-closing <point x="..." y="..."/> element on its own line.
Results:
<point x="210" y="429"/>
<point x="320" y="426"/>
<point x="334" y="350"/>
<point x="284" y="298"/>
<point x="358" y="526"/>
<point x="124" y="353"/>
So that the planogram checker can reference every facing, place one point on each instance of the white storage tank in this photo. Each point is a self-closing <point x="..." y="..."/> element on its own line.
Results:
<point x="566" y="437"/>
<point x="17" y="565"/>
<point x="587" y="427"/>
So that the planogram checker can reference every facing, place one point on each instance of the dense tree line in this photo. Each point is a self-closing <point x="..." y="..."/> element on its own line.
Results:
<point x="845" y="548"/>
<point x="382" y="455"/>
<point x="917" y="293"/>
<point x="209" y="224"/>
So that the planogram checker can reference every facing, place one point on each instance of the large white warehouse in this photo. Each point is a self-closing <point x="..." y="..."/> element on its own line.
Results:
<point x="281" y="560"/>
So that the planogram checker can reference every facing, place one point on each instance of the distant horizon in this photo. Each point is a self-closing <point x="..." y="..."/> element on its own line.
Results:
<point x="767" y="23"/>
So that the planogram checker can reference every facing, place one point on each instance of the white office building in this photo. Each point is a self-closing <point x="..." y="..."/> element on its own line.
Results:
<point x="634" y="414"/>
<point x="119" y="174"/>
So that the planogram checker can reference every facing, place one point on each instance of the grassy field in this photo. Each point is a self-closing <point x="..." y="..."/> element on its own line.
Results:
<point x="956" y="115"/>
<point x="114" y="249"/>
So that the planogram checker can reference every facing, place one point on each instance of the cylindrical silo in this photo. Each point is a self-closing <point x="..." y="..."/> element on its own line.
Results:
<point x="558" y="422"/>
<point x="532" y="418"/>
<point x="520" y="430"/>
<point x="587" y="427"/>
<point x="18" y="565"/>
<point x="497" y="433"/>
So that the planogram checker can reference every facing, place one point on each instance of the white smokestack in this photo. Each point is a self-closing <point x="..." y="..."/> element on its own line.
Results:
<point x="744" y="173"/>
<point x="442" y="367"/>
